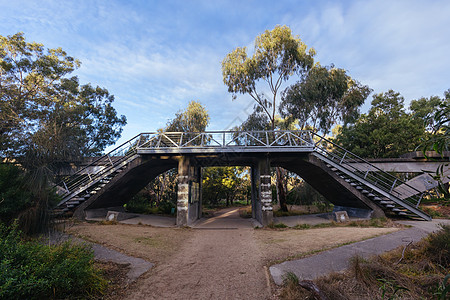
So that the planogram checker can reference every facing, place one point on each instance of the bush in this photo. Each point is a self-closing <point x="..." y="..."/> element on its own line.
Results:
<point x="438" y="247"/>
<point x="31" y="270"/>
<point x="14" y="196"/>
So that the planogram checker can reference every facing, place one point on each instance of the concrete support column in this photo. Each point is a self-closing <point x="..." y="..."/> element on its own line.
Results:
<point x="189" y="192"/>
<point x="261" y="192"/>
<point x="183" y="191"/>
<point x="265" y="193"/>
<point x="256" y="204"/>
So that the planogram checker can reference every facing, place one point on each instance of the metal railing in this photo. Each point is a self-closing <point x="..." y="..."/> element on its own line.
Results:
<point x="109" y="161"/>
<point x="367" y="171"/>
<point x="223" y="139"/>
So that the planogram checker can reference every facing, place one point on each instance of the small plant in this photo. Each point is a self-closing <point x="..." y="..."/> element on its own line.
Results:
<point x="290" y="278"/>
<point x="388" y="285"/>
<point x="278" y="225"/>
<point x="302" y="226"/>
<point x="443" y="288"/>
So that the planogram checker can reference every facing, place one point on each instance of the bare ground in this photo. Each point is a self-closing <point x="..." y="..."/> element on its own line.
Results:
<point x="213" y="263"/>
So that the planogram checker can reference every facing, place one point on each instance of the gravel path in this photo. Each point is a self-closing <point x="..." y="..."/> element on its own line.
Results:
<point x="215" y="264"/>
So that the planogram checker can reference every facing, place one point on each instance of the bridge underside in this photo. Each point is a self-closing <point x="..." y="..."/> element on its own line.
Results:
<point x="145" y="167"/>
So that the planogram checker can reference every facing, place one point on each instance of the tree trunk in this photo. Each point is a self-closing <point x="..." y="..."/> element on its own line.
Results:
<point x="280" y="190"/>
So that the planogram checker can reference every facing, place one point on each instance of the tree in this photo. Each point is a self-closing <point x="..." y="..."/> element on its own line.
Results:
<point x="46" y="117"/>
<point x="224" y="183"/>
<point x="324" y="97"/>
<point x="46" y="114"/>
<point x="194" y="119"/>
<point x="387" y="130"/>
<point x="440" y="138"/>
<point x="277" y="56"/>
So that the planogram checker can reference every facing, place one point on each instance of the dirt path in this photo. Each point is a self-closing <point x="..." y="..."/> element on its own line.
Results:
<point x="219" y="262"/>
<point x="223" y="258"/>
<point x="212" y="265"/>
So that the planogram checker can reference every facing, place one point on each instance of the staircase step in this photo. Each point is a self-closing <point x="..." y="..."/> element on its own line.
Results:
<point x="71" y="202"/>
<point x="371" y="195"/>
<point x="77" y="199"/>
<point x="359" y="187"/>
<point x="377" y="199"/>
<point x="365" y="192"/>
<point x="389" y="206"/>
<point x="384" y="202"/>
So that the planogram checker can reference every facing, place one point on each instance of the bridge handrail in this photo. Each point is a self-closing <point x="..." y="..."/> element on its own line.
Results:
<point x="265" y="138"/>
<point x="77" y="179"/>
<point x="392" y="180"/>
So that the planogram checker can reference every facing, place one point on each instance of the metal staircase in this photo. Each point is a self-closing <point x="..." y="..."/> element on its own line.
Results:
<point x="382" y="188"/>
<point x="79" y="187"/>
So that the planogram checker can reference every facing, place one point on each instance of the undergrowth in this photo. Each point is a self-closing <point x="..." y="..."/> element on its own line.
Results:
<point x="32" y="270"/>
<point x="418" y="272"/>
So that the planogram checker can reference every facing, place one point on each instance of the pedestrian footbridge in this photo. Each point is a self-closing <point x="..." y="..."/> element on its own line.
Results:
<point x="342" y="177"/>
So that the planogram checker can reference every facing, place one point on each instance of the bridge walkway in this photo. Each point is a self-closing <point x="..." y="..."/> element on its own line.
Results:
<point x="137" y="161"/>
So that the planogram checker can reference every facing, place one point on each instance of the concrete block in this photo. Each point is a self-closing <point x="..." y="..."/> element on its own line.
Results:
<point x="341" y="216"/>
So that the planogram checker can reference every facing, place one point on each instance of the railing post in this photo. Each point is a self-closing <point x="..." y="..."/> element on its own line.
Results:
<point x="420" y="199"/>
<point x="65" y="186"/>
<point x="342" y="159"/>
<point x="181" y="139"/>
<point x="367" y="173"/>
<point x="392" y="187"/>
<point x="110" y="160"/>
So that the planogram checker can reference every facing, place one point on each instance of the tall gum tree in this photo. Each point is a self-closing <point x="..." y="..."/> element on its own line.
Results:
<point x="324" y="97"/>
<point x="277" y="56"/>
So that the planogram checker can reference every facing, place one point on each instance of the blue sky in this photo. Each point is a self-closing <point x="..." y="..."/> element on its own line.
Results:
<point x="156" y="56"/>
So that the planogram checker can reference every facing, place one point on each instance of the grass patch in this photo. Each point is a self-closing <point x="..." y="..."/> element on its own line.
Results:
<point x="418" y="272"/>
<point x="277" y="225"/>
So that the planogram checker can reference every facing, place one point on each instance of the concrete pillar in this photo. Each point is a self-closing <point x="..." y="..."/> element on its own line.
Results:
<point x="265" y="193"/>
<point x="189" y="192"/>
<point x="261" y="192"/>
<point x="183" y="191"/>
<point x="256" y="204"/>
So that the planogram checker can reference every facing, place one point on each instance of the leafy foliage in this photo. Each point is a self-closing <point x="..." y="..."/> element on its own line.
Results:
<point x="14" y="197"/>
<point x="326" y="96"/>
<point x="277" y="55"/>
<point x="194" y="119"/>
<point x="225" y="183"/>
<point x="47" y="117"/>
<point x="388" y="130"/>
<point x="31" y="270"/>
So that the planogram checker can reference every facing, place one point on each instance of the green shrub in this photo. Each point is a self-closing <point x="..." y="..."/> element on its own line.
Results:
<point x="14" y="196"/>
<point x="31" y="270"/>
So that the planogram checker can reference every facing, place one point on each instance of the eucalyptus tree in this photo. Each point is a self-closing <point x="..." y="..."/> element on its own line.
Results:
<point x="195" y="118"/>
<point x="47" y="118"/>
<point x="45" y="113"/>
<point x="388" y="129"/>
<point x="324" y="97"/>
<point x="277" y="56"/>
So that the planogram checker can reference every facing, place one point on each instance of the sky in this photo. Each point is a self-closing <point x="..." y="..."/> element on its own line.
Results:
<point x="156" y="56"/>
